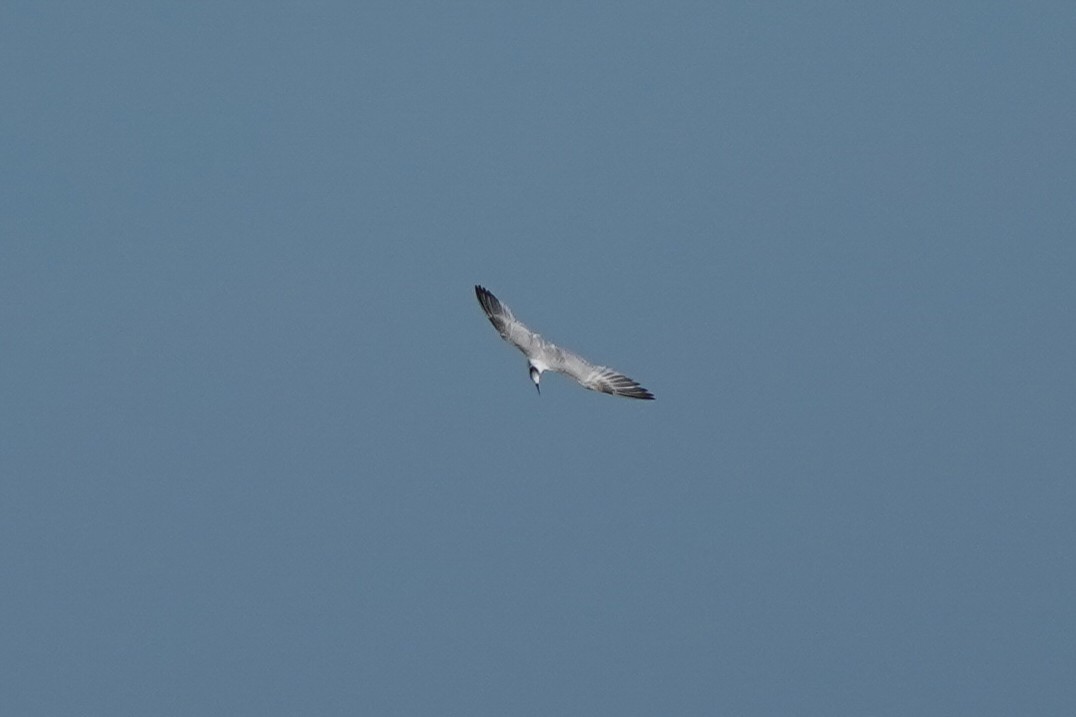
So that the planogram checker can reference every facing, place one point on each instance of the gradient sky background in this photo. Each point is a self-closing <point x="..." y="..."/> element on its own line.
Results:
<point x="262" y="453"/>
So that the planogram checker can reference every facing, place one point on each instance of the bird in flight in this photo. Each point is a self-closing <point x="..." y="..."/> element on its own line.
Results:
<point x="543" y="355"/>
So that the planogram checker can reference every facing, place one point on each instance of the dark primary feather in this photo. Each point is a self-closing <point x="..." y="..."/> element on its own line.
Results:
<point x="490" y="303"/>
<point x="495" y="310"/>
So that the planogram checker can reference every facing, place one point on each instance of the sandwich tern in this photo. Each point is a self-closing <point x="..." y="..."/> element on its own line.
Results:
<point x="543" y="355"/>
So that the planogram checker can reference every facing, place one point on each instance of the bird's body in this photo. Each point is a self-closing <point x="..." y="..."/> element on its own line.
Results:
<point x="544" y="355"/>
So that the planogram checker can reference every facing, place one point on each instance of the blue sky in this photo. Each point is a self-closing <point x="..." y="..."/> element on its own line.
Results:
<point x="262" y="454"/>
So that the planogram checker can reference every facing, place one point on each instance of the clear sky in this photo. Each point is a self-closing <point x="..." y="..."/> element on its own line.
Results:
<point x="262" y="454"/>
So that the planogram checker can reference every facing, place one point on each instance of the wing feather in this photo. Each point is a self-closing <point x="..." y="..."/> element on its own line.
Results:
<point x="508" y="326"/>
<point x="597" y="378"/>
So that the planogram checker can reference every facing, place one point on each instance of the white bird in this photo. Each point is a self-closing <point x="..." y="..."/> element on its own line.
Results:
<point x="543" y="355"/>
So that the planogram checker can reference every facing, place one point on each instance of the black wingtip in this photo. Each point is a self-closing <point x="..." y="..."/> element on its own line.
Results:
<point x="489" y="302"/>
<point x="484" y="295"/>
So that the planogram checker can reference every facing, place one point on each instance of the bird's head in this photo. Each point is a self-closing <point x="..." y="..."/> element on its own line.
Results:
<point x="536" y="376"/>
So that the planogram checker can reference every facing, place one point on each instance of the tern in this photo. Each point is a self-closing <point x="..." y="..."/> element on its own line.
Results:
<point x="543" y="355"/>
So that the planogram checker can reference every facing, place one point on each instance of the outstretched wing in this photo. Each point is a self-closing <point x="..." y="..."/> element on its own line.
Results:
<point x="607" y="380"/>
<point x="597" y="378"/>
<point x="508" y="326"/>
